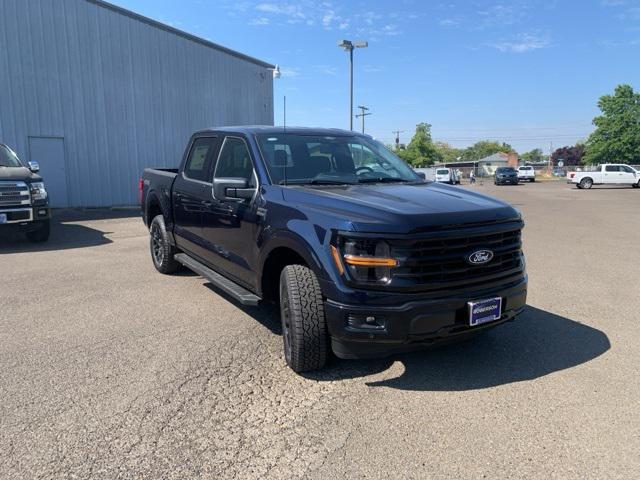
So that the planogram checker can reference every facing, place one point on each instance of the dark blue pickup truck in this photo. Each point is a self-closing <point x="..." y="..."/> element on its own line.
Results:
<point x="364" y="256"/>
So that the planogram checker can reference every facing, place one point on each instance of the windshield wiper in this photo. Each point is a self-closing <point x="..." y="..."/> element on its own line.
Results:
<point x="315" y="182"/>
<point x="384" y="180"/>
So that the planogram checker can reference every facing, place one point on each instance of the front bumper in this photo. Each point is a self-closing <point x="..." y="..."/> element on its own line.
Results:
<point x="507" y="181"/>
<point x="415" y="324"/>
<point x="25" y="219"/>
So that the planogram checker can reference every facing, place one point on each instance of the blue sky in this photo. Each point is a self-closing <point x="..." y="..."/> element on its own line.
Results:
<point x="528" y="72"/>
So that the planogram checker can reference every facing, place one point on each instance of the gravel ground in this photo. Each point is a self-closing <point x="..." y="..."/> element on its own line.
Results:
<point x="111" y="370"/>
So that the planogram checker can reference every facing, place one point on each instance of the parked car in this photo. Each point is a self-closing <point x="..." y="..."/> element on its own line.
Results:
<point x="362" y="263"/>
<point x="444" y="175"/>
<point x="24" y="203"/>
<point x="505" y="176"/>
<point x="607" y="174"/>
<point x="526" y="173"/>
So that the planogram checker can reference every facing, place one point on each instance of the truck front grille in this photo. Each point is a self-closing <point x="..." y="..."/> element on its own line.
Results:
<point x="14" y="194"/>
<point x="442" y="262"/>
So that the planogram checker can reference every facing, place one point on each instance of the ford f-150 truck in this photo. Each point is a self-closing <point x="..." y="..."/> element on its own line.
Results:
<point x="363" y="256"/>
<point x="24" y="203"/>
<point x="607" y="174"/>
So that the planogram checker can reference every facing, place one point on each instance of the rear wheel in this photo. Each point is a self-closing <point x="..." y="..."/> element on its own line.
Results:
<point x="41" y="234"/>
<point x="637" y="185"/>
<point x="586" y="183"/>
<point x="304" y="329"/>
<point x="162" y="251"/>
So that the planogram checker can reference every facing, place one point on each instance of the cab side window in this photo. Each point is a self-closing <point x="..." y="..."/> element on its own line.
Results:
<point x="199" y="161"/>
<point x="612" y="168"/>
<point x="235" y="160"/>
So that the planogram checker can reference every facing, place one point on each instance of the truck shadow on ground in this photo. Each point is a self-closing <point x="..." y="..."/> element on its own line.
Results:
<point x="536" y="344"/>
<point x="65" y="234"/>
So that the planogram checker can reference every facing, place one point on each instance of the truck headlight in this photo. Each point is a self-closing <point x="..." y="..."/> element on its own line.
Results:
<point x="367" y="261"/>
<point x="38" y="191"/>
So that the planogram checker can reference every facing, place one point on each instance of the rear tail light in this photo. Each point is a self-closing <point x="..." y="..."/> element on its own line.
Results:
<point x="571" y="175"/>
<point x="140" y="189"/>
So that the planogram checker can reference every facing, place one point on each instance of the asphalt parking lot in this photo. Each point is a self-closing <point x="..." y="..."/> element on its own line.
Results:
<point x="111" y="370"/>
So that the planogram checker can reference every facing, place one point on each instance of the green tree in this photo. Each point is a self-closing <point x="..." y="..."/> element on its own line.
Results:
<point x="616" y="138"/>
<point x="421" y="151"/>
<point x="484" y="148"/>
<point x="447" y="152"/>
<point x="534" y="156"/>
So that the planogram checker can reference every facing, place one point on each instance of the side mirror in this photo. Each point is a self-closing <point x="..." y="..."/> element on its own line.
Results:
<point x="232" y="188"/>
<point x="422" y="175"/>
<point x="34" y="167"/>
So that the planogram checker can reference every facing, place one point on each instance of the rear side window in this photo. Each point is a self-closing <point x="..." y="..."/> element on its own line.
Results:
<point x="612" y="168"/>
<point x="234" y="160"/>
<point x="199" y="161"/>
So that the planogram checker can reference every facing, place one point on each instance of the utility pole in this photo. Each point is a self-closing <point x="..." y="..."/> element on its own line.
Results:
<point x="362" y="114"/>
<point x="397" y="133"/>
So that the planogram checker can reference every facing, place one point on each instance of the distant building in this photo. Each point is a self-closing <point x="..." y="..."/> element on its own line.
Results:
<point x="95" y="93"/>
<point x="486" y="166"/>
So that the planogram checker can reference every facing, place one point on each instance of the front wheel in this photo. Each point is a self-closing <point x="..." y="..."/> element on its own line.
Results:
<point x="304" y="328"/>
<point x="636" y="185"/>
<point x="586" y="183"/>
<point x="162" y="251"/>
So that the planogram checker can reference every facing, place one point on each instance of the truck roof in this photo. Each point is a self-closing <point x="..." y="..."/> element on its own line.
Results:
<point x="268" y="129"/>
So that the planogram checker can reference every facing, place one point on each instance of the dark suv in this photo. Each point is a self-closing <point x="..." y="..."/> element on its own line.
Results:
<point x="24" y="204"/>
<point x="364" y="257"/>
<point x="505" y="176"/>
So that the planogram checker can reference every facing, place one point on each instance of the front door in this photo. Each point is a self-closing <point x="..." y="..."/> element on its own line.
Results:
<point x="612" y="174"/>
<point x="628" y="175"/>
<point x="190" y="189"/>
<point x="230" y="225"/>
<point x="49" y="153"/>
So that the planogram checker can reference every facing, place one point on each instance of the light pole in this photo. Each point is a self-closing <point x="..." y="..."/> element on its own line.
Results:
<point x="348" y="46"/>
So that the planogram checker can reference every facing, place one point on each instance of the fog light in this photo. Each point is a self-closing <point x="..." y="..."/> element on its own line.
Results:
<point x="366" y="322"/>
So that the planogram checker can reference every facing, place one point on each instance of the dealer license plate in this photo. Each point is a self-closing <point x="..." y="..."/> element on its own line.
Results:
<point x="484" y="311"/>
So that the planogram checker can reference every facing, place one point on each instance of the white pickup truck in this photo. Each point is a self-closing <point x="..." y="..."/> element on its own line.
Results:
<point x="607" y="174"/>
<point x="526" y="173"/>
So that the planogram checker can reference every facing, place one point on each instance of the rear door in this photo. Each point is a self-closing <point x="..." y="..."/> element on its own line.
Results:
<point x="611" y="174"/>
<point x="190" y="190"/>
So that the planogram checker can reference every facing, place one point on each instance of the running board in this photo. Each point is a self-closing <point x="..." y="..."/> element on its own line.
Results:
<point x="241" y="294"/>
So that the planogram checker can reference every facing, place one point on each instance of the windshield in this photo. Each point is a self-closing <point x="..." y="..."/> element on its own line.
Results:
<point x="296" y="159"/>
<point x="8" y="158"/>
<point x="505" y="170"/>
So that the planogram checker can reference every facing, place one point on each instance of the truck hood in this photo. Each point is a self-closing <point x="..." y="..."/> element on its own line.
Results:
<point x="399" y="208"/>
<point x="18" y="174"/>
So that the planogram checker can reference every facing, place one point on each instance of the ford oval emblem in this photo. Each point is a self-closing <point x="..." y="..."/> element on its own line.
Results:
<point x="480" y="257"/>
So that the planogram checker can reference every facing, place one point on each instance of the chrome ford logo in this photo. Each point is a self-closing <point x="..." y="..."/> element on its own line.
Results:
<point x="480" y="257"/>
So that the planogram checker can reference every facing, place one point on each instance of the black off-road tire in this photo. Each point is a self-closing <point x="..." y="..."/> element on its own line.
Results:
<point x="162" y="251"/>
<point x="304" y="329"/>
<point x="40" y="235"/>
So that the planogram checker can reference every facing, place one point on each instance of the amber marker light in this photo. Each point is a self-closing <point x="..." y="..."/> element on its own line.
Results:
<point x="360" y="261"/>
<point x="336" y="258"/>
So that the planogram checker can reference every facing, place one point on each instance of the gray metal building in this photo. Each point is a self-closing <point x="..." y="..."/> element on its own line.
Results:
<point x="95" y="93"/>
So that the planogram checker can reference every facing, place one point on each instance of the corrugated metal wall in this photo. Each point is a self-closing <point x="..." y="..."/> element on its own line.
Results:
<point x="122" y="92"/>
